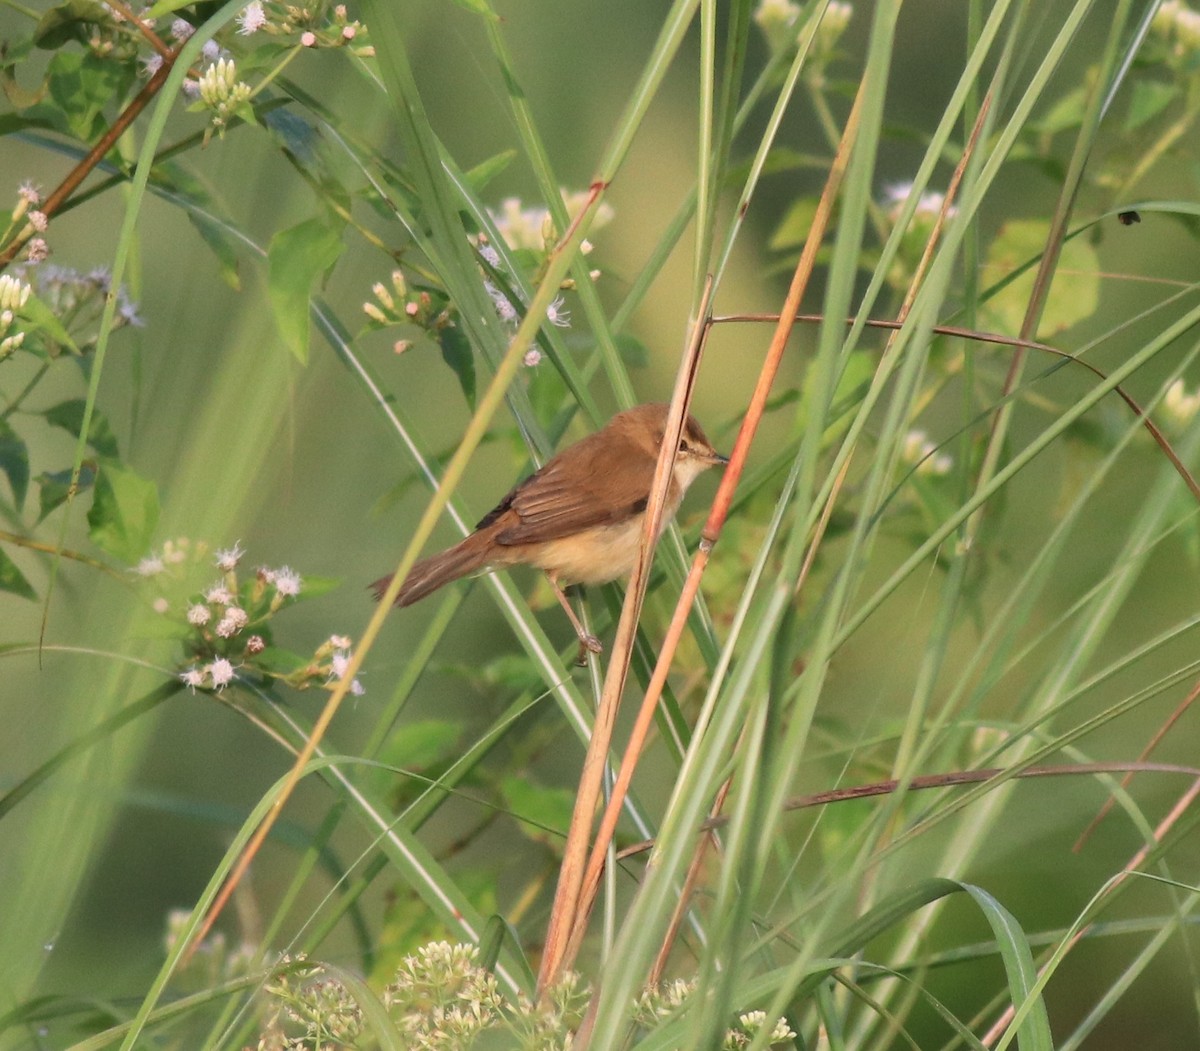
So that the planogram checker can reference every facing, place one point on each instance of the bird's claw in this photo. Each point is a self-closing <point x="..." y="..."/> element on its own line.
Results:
<point x="588" y="644"/>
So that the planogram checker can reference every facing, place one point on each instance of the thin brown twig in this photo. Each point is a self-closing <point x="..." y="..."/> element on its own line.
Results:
<point x="1011" y="341"/>
<point x="154" y="40"/>
<point x="95" y="155"/>
<point x="924" y="782"/>
<point x="1145" y="753"/>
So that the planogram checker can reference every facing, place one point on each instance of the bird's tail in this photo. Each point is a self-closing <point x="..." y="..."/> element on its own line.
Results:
<point x="467" y="556"/>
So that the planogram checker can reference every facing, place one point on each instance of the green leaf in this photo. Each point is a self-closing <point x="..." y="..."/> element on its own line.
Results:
<point x="484" y="172"/>
<point x="81" y="86"/>
<point x="421" y="745"/>
<point x="296" y="259"/>
<point x="306" y="147"/>
<point x="124" y="512"/>
<point x="68" y="21"/>
<point x="1074" y="295"/>
<point x="633" y="351"/>
<point x="44" y="321"/>
<point x="794" y="226"/>
<point x="544" y="813"/>
<point x="14" y="462"/>
<point x="56" y="486"/>
<point x="12" y="579"/>
<point x="456" y="352"/>
<point x="198" y="206"/>
<point x="69" y="416"/>
<point x="1150" y="98"/>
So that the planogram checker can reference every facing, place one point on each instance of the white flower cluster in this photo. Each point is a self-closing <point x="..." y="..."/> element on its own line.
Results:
<point x="920" y="452"/>
<point x="221" y="91"/>
<point x="14" y="294"/>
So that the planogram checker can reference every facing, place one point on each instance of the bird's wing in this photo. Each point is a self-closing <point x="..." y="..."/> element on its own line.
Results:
<point x="572" y="492"/>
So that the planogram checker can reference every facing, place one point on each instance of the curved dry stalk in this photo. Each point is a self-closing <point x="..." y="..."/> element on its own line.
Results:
<point x="995" y="338"/>
<point x="924" y="782"/>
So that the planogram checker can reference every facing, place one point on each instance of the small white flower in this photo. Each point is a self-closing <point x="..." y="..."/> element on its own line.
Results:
<point x="557" y="316"/>
<point x="149" y="566"/>
<point x="533" y="358"/>
<point x="218" y="595"/>
<point x="222" y="672"/>
<point x="151" y="64"/>
<point x="193" y="677"/>
<point x="38" y="220"/>
<point x="198" y="615"/>
<point x="922" y="453"/>
<point x="13" y="292"/>
<point x="211" y="51"/>
<point x="340" y="642"/>
<point x="181" y="29"/>
<point x="161" y="605"/>
<point x="233" y="620"/>
<point x="29" y="192"/>
<point x="287" y="582"/>
<point x="252" y="19"/>
<point x="339" y="662"/>
<point x="37" y="251"/>
<point x="308" y="39"/>
<point x="227" y="560"/>
<point x="1179" y="405"/>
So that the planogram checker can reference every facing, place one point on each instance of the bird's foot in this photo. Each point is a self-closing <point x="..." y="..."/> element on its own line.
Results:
<point x="588" y="644"/>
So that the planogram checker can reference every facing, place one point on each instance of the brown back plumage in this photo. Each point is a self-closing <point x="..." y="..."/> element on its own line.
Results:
<point x="574" y="491"/>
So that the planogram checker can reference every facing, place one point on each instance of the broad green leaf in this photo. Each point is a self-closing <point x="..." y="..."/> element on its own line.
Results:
<point x="12" y="579"/>
<point x="1073" y="296"/>
<point x="544" y="813"/>
<point x="14" y="462"/>
<point x="456" y="352"/>
<point x="20" y="98"/>
<point x="56" y="486"/>
<point x="69" y="416"/>
<point x="297" y="258"/>
<point x="43" y="321"/>
<point x="420" y="745"/>
<point x="1150" y="98"/>
<point x="124" y="512"/>
<point x="68" y="21"/>
<point x="633" y="351"/>
<point x="794" y="226"/>
<point x="305" y="146"/>
<point x="178" y="181"/>
<point x="82" y="86"/>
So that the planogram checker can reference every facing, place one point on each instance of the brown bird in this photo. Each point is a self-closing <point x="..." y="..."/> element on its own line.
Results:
<point x="579" y="518"/>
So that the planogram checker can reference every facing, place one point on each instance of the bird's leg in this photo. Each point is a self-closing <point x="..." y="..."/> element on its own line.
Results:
<point x="588" y="643"/>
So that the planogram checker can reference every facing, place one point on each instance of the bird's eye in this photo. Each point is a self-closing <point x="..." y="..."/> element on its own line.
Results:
<point x="683" y="445"/>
